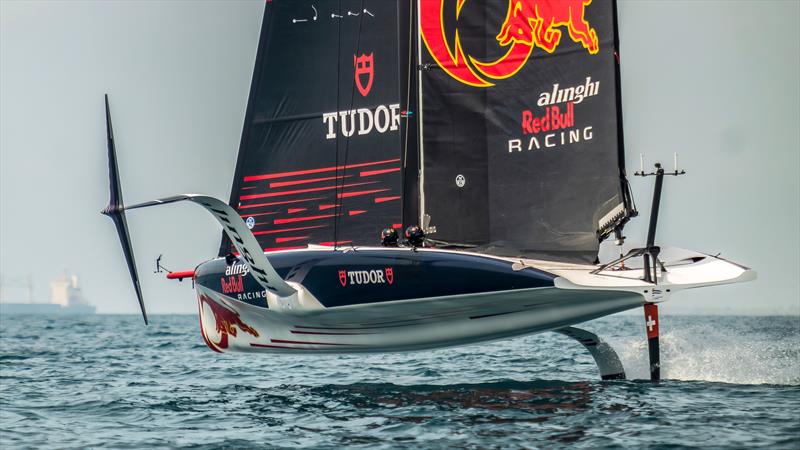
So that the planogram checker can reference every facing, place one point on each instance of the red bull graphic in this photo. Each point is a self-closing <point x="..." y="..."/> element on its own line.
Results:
<point x="232" y="284"/>
<point x="226" y="322"/>
<point x="528" y="24"/>
<point x="364" y="69"/>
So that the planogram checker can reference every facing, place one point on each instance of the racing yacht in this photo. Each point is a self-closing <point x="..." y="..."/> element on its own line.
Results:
<point x="417" y="175"/>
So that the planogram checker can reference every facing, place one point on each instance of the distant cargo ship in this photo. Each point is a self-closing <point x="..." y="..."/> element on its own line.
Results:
<point x="66" y="298"/>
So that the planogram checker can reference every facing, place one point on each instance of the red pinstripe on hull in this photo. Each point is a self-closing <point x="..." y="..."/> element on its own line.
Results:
<point x="281" y="341"/>
<point x="271" y="176"/>
<point x="324" y="333"/>
<point x="253" y="344"/>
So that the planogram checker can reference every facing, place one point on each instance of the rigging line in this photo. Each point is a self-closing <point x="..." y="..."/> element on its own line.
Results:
<point x="340" y="197"/>
<point x="338" y="85"/>
<point x="403" y="175"/>
<point x="420" y="122"/>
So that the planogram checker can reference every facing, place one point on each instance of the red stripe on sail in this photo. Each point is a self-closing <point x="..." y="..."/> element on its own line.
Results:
<point x="302" y="191"/>
<point x="325" y="333"/>
<point x="397" y="225"/>
<point x="359" y="193"/>
<point x="257" y="205"/>
<point x="294" y="210"/>
<point x="277" y="249"/>
<point x="311" y="180"/>
<point x="301" y="219"/>
<point x="260" y="214"/>
<point x="248" y="187"/>
<point x="270" y="176"/>
<point x="324" y="207"/>
<point x="290" y="239"/>
<point x="385" y="199"/>
<point x="369" y="173"/>
<point x="284" y="230"/>
<point x="332" y="243"/>
<point x="356" y="212"/>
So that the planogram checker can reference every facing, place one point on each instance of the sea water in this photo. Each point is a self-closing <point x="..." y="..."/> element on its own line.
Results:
<point x="109" y="381"/>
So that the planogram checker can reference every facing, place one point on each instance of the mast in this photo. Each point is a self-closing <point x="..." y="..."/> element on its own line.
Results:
<point x="627" y="196"/>
<point x="420" y="121"/>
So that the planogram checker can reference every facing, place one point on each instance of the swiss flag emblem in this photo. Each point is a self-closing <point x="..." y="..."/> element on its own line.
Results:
<point x="389" y="275"/>
<point x="343" y="277"/>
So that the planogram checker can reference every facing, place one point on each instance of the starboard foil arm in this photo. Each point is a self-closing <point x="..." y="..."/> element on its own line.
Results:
<point x="116" y="210"/>
<point x="604" y="355"/>
<point x="241" y="237"/>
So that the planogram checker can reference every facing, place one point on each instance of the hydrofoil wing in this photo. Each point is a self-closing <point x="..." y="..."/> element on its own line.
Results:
<point x="241" y="236"/>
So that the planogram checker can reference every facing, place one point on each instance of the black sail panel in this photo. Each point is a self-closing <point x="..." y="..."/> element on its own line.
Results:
<point x="320" y="155"/>
<point x="521" y="136"/>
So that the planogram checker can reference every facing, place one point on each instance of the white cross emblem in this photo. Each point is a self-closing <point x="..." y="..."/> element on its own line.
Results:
<point x="650" y="323"/>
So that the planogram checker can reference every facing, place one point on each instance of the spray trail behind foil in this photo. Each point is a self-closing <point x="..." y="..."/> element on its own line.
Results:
<point x="725" y="349"/>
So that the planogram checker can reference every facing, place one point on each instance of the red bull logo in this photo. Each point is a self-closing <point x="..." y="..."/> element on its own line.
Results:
<point x="232" y="284"/>
<point x="226" y="323"/>
<point x="528" y="24"/>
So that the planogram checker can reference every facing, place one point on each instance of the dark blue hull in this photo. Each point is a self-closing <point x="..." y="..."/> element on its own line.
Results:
<point x="374" y="275"/>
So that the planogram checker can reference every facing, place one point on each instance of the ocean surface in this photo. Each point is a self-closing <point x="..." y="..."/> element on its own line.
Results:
<point x="111" y="382"/>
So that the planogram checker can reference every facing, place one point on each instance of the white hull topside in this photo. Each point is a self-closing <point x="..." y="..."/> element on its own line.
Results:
<point x="299" y="323"/>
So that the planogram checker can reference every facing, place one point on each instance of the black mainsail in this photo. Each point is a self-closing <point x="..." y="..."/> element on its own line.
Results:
<point x="498" y="123"/>
<point x="521" y="127"/>
<point x="320" y="155"/>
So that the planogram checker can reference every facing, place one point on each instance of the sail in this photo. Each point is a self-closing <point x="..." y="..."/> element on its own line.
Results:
<point x="521" y="137"/>
<point x="320" y="154"/>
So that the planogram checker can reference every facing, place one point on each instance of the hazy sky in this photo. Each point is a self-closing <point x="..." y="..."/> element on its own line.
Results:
<point x="718" y="82"/>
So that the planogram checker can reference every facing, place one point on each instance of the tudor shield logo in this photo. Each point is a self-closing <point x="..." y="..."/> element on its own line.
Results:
<point x="343" y="277"/>
<point x="364" y="72"/>
<point x="389" y="275"/>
